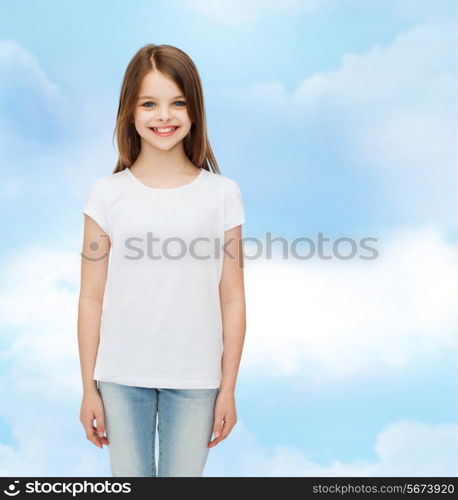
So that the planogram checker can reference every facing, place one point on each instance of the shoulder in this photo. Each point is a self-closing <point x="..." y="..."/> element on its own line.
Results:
<point x="111" y="180"/>
<point x="224" y="182"/>
<point x="226" y="189"/>
<point x="108" y="183"/>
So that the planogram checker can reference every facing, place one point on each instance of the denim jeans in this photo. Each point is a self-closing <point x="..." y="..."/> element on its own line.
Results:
<point x="185" y="420"/>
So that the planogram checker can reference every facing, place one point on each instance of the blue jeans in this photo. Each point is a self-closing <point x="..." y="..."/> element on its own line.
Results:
<point x="185" y="427"/>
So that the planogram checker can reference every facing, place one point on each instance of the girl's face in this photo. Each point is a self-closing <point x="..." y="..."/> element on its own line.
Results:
<point x="161" y="104"/>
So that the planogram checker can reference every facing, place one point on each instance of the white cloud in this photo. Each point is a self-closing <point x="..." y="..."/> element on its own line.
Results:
<point x="73" y="148"/>
<point x="394" y="107"/>
<point x="328" y="321"/>
<point x="406" y="448"/>
<point x="30" y="99"/>
<point x="19" y="63"/>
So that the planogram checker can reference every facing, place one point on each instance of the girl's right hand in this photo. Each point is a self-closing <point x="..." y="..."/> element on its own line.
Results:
<point x="92" y="408"/>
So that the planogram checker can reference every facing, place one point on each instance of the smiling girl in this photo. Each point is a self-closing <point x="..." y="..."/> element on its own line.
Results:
<point x="161" y="326"/>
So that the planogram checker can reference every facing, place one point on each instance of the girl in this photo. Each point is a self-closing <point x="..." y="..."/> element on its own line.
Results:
<point x="161" y="318"/>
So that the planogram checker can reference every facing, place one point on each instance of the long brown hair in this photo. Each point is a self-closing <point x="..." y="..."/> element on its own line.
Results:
<point x="178" y="66"/>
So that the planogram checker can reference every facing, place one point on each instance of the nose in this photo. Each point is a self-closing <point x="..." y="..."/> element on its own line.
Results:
<point x="164" y="113"/>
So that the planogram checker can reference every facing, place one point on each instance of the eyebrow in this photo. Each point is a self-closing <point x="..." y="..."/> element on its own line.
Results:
<point x="152" y="97"/>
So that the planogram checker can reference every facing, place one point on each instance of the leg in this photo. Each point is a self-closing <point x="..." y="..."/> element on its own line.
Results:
<point x="130" y="421"/>
<point x="185" y="427"/>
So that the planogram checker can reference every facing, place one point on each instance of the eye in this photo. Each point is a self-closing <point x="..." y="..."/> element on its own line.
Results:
<point x="182" y="104"/>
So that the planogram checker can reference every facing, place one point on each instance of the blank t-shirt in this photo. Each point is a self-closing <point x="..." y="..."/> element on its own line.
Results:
<point x="161" y="323"/>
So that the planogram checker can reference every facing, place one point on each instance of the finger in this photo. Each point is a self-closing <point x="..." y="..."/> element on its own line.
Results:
<point x="91" y="433"/>
<point x="217" y="440"/>
<point x="102" y="440"/>
<point x="228" y="426"/>
<point x="100" y="425"/>
<point x="218" y="425"/>
<point x="217" y="430"/>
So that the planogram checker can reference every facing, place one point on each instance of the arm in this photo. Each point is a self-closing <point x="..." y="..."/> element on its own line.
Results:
<point x="232" y="298"/>
<point x="94" y="268"/>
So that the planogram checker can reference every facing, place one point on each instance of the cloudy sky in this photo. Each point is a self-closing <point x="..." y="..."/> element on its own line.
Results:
<point x="335" y="117"/>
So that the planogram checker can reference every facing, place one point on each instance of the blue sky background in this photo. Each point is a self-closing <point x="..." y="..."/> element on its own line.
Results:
<point x="334" y="116"/>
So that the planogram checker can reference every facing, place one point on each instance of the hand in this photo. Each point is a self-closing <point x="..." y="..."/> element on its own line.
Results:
<point x="92" y="407"/>
<point x="225" y="416"/>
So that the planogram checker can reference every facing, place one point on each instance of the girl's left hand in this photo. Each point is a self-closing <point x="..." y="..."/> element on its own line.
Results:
<point x="225" y="416"/>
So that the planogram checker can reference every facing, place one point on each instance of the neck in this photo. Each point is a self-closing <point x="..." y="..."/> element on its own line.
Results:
<point x="156" y="161"/>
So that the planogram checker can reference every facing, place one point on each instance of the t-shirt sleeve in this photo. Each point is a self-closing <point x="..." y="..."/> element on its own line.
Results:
<point x="233" y="206"/>
<point x="95" y="205"/>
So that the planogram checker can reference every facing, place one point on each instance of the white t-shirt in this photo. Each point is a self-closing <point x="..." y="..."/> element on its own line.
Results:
<point x="161" y="323"/>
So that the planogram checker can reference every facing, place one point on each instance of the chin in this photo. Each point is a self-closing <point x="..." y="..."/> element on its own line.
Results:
<point x="165" y="147"/>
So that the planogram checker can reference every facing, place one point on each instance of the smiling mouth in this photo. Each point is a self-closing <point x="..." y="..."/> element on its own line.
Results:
<point x="164" y="131"/>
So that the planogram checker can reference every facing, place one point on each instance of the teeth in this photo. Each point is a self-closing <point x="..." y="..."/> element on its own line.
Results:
<point x="168" y="129"/>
